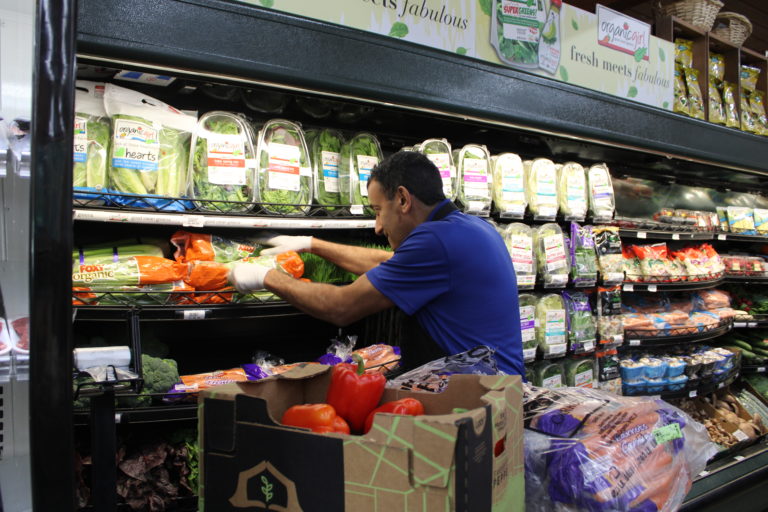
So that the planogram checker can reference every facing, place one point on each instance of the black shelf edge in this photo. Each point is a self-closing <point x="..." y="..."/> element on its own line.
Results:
<point x="250" y="45"/>
<point x="700" y="390"/>
<point x="750" y="324"/>
<point x="746" y="279"/>
<point x="733" y="237"/>
<point x="664" y="341"/>
<point x="191" y="312"/>
<point x="682" y="286"/>
<point x="763" y="368"/>
<point x="185" y="412"/>
<point x="653" y="234"/>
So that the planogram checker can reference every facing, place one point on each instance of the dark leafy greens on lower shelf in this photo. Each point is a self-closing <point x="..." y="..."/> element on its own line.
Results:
<point x="582" y="331"/>
<point x="583" y="256"/>
<point x="580" y="373"/>
<point x="150" y="144"/>
<point x="439" y="152"/>
<point x="222" y="168"/>
<point x="325" y="151"/>
<point x="548" y="374"/>
<point x="91" y="139"/>
<point x="551" y="334"/>
<point x="527" y="303"/>
<point x="284" y="171"/>
<point x="358" y="158"/>
<point x="473" y="163"/>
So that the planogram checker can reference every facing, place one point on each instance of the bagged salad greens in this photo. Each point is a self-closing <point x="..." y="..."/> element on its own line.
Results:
<point x="284" y="172"/>
<point x="439" y="152"/>
<point x="474" y="169"/>
<point x="610" y="326"/>
<point x="583" y="256"/>
<point x="223" y="164"/>
<point x="580" y="373"/>
<point x="508" y="185"/>
<point x="582" y="332"/>
<point x="150" y="145"/>
<point x="572" y="191"/>
<point x="516" y="30"/>
<point x="541" y="188"/>
<point x="527" y="303"/>
<point x="551" y="334"/>
<point x="358" y="158"/>
<point x="206" y="247"/>
<point x="551" y="255"/>
<point x="741" y="220"/>
<point x="548" y="374"/>
<point x="91" y="141"/>
<point x="610" y="259"/>
<point x="519" y="240"/>
<point x="325" y="152"/>
<point x="602" y="202"/>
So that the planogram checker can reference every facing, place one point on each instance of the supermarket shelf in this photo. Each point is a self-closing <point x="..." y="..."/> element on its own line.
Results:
<point x="632" y="340"/>
<point x="682" y="286"/>
<point x="756" y="322"/>
<point x="732" y="237"/>
<point x="192" y="312"/>
<point x="664" y="235"/>
<point x="701" y="390"/>
<point x="754" y="368"/>
<point x="186" y="412"/>
<point x="746" y="279"/>
<point x="198" y="220"/>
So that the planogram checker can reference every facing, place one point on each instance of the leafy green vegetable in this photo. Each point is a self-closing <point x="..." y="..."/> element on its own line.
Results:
<point x="576" y="26"/>
<point x="474" y="170"/>
<point x="325" y="152"/>
<point x="508" y="184"/>
<point x="549" y="375"/>
<point x="439" y="152"/>
<point x="550" y="326"/>
<point x="358" y="157"/>
<point x="580" y="373"/>
<point x="159" y="376"/>
<point x="461" y="50"/>
<point x="581" y="323"/>
<point x="92" y="173"/>
<point x="640" y="53"/>
<point x="527" y="304"/>
<point x="513" y="51"/>
<point x="541" y="189"/>
<point x="398" y="29"/>
<point x="572" y="191"/>
<point x="207" y="183"/>
<point x="519" y="240"/>
<point x="285" y="173"/>
<point x="551" y="257"/>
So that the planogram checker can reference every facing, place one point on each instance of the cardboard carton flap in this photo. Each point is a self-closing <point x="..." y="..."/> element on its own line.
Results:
<point x="304" y="371"/>
<point x="434" y="446"/>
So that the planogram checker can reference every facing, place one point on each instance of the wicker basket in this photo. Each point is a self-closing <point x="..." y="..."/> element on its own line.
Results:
<point x="700" y="13"/>
<point x="732" y="27"/>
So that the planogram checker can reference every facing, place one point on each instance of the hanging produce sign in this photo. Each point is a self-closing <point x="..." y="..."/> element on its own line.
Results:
<point x="607" y="52"/>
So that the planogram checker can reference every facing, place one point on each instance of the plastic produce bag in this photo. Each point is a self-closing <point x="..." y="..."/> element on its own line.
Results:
<point x="439" y="152"/>
<point x="741" y="220"/>
<point x="474" y="168"/>
<point x="748" y="77"/>
<point x="731" y="112"/>
<point x="541" y="188"/>
<point x="583" y="256"/>
<point x="206" y="247"/>
<point x="582" y="333"/>
<point x="133" y="270"/>
<point x="602" y="202"/>
<point x="684" y="52"/>
<point x="91" y="141"/>
<point x="572" y="191"/>
<point x="325" y="151"/>
<point x="681" y="93"/>
<point x="757" y="106"/>
<point x="716" y="107"/>
<point x="149" y="148"/>
<point x="591" y="450"/>
<point x="284" y="171"/>
<point x="527" y="303"/>
<point x="548" y="374"/>
<point x="551" y="255"/>
<point x="551" y="334"/>
<point x="716" y="67"/>
<point x="435" y="375"/>
<point x="695" y="99"/>
<point x="610" y="325"/>
<point x="358" y="158"/>
<point x="508" y="185"/>
<point x="223" y="165"/>
<point x="609" y="255"/>
<point x="519" y="240"/>
<point x="747" y="117"/>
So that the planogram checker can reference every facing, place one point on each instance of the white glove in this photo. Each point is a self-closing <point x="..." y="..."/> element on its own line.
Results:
<point x="285" y="243"/>
<point x="248" y="277"/>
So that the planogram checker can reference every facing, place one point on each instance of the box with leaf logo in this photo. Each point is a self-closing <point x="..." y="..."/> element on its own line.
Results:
<point x="464" y="454"/>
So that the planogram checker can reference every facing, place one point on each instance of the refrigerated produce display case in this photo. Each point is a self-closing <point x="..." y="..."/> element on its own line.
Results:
<point x="284" y="79"/>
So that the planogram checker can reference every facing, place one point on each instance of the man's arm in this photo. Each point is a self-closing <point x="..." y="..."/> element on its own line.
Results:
<point x="339" y="305"/>
<point x="357" y="260"/>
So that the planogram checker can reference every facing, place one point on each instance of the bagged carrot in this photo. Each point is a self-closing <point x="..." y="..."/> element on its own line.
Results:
<point x="128" y="271"/>
<point x="206" y="247"/>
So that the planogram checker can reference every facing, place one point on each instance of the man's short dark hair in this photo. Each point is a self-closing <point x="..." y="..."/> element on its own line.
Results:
<point x="412" y="170"/>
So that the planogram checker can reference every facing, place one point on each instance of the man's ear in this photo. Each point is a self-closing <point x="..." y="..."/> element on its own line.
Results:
<point x="403" y="198"/>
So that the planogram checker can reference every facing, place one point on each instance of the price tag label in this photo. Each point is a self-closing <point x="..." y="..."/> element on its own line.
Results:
<point x="738" y="458"/>
<point x="356" y="209"/>
<point x="193" y="221"/>
<point x="722" y="237"/>
<point x="692" y="394"/>
<point x="721" y="385"/>
<point x="667" y="433"/>
<point x="557" y="349"/>
<point x="634" y="343"/>
<point x="751" y="325"/>
<point x="529" y="354"/>
<point x="642" y="234"/>
<point x="118" y="417"/>
<point x="704" y="473"/>
<point x="194" y="314"/>
<point x="652" y="288"/>
<point x="629" y="288"/>
<point x="737" y="325"/>
<point x="761" y="369"/>
<point x="589" y="346"/>
<point x="675" y="236"/>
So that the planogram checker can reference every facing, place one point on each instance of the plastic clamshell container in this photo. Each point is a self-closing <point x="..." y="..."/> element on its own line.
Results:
<point x="359" y="156"/>
<point x="222" y="167"/>
<point x="675" y="369"/>
<point x="634" y="388"/>
<point x="440" y="153"/>
<point x="474" y="170"/>
<point x="541" y="188"/>
<point x="325" y="155"/>
<point x="508" y="185"/>
<point x="632" y="374"/>
<point x="676" y="383"/>
<point x="655" y="385"/>
<point x="655" y="371"/>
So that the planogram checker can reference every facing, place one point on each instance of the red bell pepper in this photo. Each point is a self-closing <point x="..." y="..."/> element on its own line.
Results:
<point x="405" y="406"/>
<point x="320" y="418"/>
<point x="354" y="393"/>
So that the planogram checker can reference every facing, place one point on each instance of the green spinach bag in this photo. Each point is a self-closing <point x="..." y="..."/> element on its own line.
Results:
<point x="284" y="170"/>
<point x="223" y="167"/>
<point x="91" y="140"/>
<point x="358" y="158"/>
<point x="325" y="153"/>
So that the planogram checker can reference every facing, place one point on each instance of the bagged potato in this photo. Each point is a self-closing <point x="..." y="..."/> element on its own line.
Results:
<point x="716" y="108"/>
<point x="695" y="99"/>
<point x="729" y="100"/>
<point x="684" y="52"/>
<point x="716" y="67"/>
<point x="681" y="93"/>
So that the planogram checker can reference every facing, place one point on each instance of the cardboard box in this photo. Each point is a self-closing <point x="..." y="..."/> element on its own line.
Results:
<point x="445" y="460"/>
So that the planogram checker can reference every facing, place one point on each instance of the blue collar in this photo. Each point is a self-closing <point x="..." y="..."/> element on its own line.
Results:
<point x="444" y="207"/>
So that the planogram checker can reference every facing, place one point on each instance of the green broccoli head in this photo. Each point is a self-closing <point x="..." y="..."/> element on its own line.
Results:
<point x="159" y="374"/>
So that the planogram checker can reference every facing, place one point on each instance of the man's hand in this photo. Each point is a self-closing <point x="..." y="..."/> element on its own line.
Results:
<point x="285" y="243"/>
<point x="248" y="277"/>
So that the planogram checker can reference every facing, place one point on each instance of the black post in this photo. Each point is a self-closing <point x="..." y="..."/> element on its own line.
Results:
<point x="51" y="426"/>
<point x="103" y="450"/>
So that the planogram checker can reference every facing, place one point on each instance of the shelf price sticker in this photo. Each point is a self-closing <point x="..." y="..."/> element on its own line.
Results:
<point x="194" y="314"/>
<point x="642" y="234"/>
<point x="692" y="394"/>
<point x="738" y="458"/>
<point x="761" y="369"/>
<point x="557" y="349"/>
<point x="652" y="288"/>
<point x="634" y="343"/>
<point x="675" y="236"/>
<point x="529" y="354"/>
<point x="193" y="221"/>
<point x="629" y="288"/>
<point x="722" y="237"/>
<point x="356" y="209"/>
<point x="667" y="433"/>
<point x="737" y="325"/>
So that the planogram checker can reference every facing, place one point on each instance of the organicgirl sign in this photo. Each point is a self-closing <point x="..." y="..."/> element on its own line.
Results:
<point x="607" y="52"/>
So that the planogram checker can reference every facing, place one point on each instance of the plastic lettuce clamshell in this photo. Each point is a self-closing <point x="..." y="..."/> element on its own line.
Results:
<point x="474" y="169"/>
<point x="150" y="145"/>
<point x="519" y="240"/>
<point x="580" y="373"/>
<point x="572" y="191"/>
<point x="551" y="334"/>
<point x="508" y="186"/>
<point x="440" y="153"/>
<point x="325" y="151"/>
<point x="541" y="188"/>
<point x="548" y="374"/>
<point x="602" y="202"/>
<point x="91" y="140"/>
<point x="284" y="172"/>
<point x="358" y="158"/>
<point x="223" y="165"/>
<point x="551" y="255"/>
<point x="527" y="304"/>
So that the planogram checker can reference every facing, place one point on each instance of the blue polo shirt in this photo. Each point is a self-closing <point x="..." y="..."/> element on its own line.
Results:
<point x="456" y="277"/>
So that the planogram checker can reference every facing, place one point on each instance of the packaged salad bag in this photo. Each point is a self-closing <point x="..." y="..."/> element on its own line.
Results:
<point x="551" y="255"/>
<point x="325" y="152"/>
<point x="572" y="191"/>
<point x="91" y="141"/>
<point x="519" y="240"/>
<point x="541" y="188"/>
<point x="508" y="185"/>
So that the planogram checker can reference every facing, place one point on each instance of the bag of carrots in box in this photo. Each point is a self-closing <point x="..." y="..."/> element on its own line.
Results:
<point x="590" y="450"/>
<point x="212" y="275"/>
<point x="205" y="247"/>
